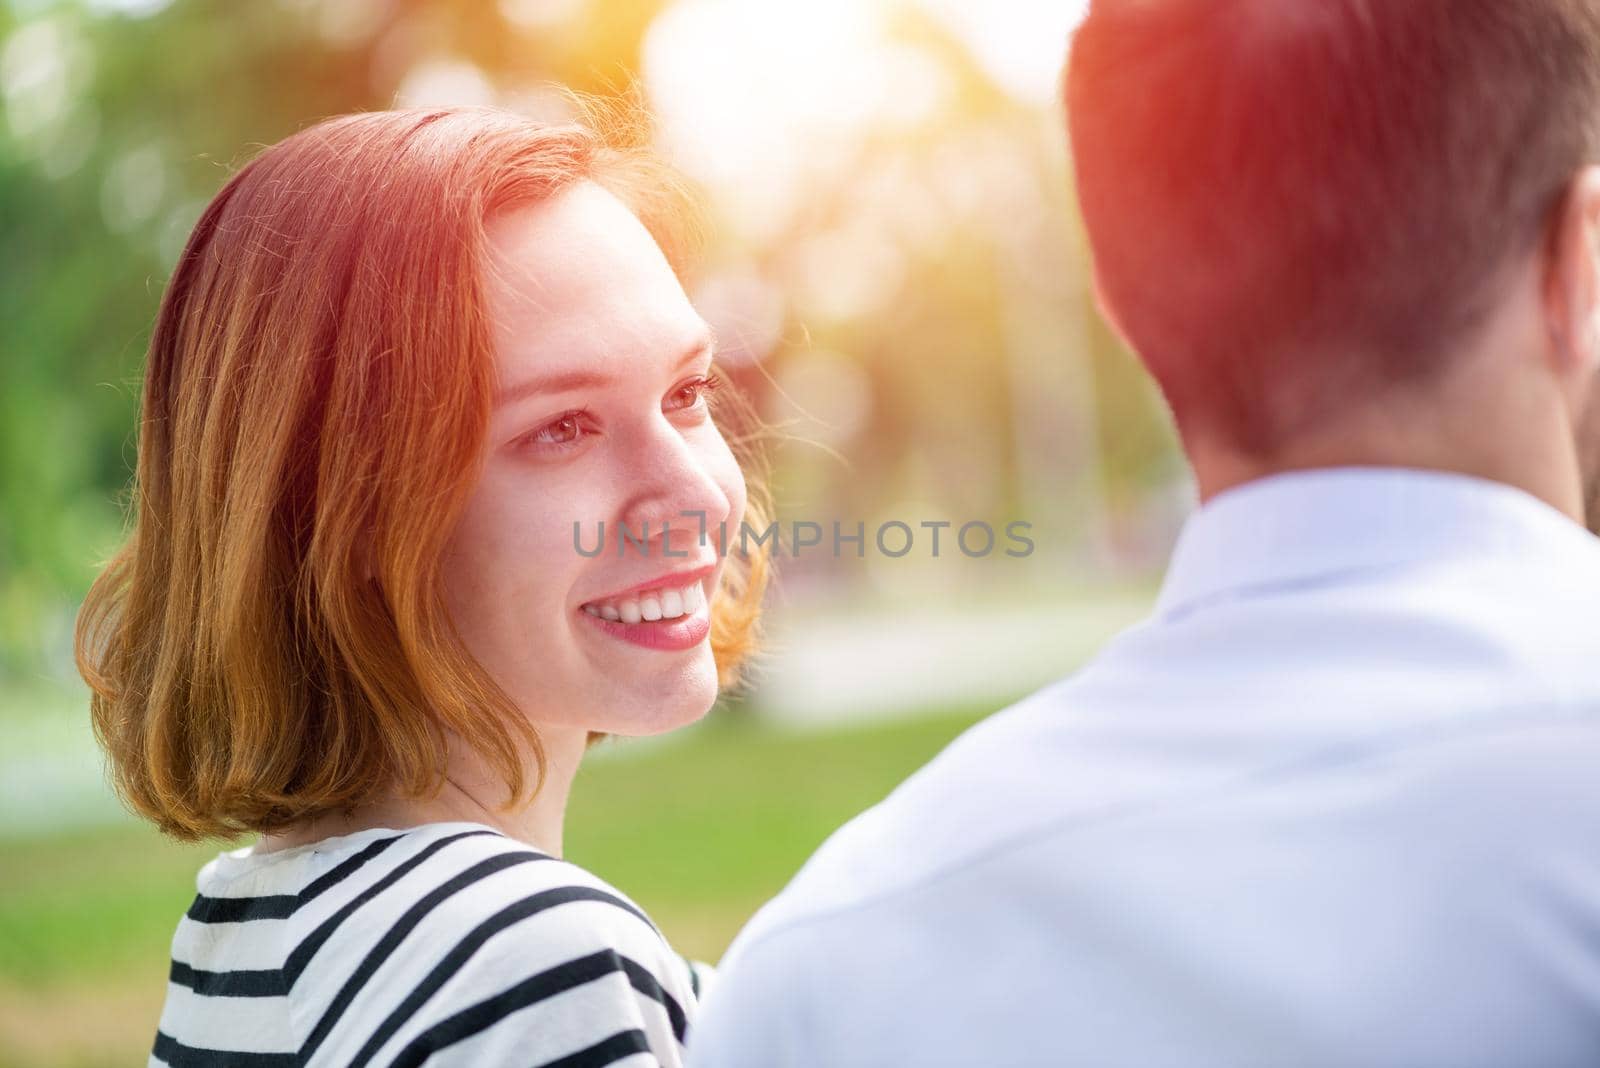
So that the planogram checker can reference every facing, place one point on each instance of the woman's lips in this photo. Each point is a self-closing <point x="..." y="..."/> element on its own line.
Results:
<point x="669" y="635"/>
<point x="673" y="615"/>
<point x="678" y="580"/>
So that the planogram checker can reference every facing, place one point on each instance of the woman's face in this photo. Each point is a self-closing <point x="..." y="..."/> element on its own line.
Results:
<point x="600" y="421"/>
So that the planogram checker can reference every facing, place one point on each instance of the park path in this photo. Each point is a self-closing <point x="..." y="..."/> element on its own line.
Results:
<point x="837" y="669"/>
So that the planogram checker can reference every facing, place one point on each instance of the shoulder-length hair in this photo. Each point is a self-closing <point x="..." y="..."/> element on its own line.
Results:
<point x="316" y="399"/>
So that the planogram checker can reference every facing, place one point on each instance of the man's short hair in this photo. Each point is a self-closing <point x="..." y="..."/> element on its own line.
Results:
<point x="1291" y="200"/>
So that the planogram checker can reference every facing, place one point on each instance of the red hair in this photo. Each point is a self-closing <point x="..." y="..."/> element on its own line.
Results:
<point x="316" y="400"/>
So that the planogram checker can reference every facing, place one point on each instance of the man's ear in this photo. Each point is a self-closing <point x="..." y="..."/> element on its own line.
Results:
<point x="1572" y="279"/>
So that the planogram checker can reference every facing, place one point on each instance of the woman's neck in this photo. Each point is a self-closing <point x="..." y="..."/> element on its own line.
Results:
<point x="472" y="793"/>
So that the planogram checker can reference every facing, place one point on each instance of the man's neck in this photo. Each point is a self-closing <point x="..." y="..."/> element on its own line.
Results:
<point x="1517" y="432"/>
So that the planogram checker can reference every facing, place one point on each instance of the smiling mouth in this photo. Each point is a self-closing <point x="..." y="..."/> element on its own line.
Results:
<point x="651" y="605"/>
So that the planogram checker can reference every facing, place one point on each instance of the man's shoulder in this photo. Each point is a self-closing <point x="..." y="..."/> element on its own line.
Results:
<point x="988" y="785"/>
<point x="1364" y="879"/>
<point x="1069" y="774"/>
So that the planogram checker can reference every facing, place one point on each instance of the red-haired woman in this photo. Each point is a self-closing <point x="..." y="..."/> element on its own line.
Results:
<point x="406" y="358"/>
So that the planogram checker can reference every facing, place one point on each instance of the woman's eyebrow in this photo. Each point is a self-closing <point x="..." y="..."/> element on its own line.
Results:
<point x="584" y="378"/>
<point x="562" y="382"/>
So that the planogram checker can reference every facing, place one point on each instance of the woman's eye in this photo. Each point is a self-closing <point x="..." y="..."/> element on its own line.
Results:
<point x="563" y="432"/>
<point x="691" y="395"/>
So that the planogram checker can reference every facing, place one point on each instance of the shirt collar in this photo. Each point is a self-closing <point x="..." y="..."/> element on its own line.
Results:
<point x="1300" y="526"/>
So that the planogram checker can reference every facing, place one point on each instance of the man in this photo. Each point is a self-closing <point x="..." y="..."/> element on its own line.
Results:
<point x="1337" y="801"/>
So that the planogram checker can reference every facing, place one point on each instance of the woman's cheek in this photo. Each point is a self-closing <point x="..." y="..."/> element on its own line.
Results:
<point x="540" y="504"/>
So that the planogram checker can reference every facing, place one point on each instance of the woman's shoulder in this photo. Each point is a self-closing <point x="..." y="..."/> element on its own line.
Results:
<point x="480" y="871"/>
<point x="441" y="888"/>
<point x="514" y="933"/>
<point x="459" y="935"/>
<point x="455" y="871"/>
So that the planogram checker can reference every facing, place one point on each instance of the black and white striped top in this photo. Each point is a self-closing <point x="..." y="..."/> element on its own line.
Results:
<point x="445" y="944"/>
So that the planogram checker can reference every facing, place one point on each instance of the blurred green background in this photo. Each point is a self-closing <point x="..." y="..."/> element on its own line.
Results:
<point x="897" y="276"/>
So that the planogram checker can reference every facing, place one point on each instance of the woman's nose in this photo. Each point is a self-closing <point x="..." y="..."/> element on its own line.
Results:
<point x="674" y="506"/>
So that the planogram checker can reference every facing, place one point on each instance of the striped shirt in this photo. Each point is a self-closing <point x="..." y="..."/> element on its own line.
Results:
<point x="444" y="944"/>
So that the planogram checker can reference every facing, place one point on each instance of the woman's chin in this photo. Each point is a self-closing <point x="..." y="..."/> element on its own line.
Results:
<point x="656" y="706"/>
<point x="684" y="718"/>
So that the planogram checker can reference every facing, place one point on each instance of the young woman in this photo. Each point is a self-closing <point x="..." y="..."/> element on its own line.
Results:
<point x="405" y="361"/>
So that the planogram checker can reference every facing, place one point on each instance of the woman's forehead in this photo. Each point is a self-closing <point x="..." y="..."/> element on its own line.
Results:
<point x="580" y="246"/>
<point x="577" y="280"/>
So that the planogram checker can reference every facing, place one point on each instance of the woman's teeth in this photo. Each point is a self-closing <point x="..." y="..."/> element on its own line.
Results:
<point x="652" y="606"/>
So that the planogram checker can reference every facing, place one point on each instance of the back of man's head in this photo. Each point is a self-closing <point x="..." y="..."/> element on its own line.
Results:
<point x="1295" y="202"/>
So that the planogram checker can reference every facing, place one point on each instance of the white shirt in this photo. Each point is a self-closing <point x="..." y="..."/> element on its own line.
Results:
<point x="444" y="944"/>
<point x="1337" y="802"/>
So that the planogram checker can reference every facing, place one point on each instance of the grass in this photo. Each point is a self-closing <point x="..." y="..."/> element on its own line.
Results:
<point x="700" y="829"/>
